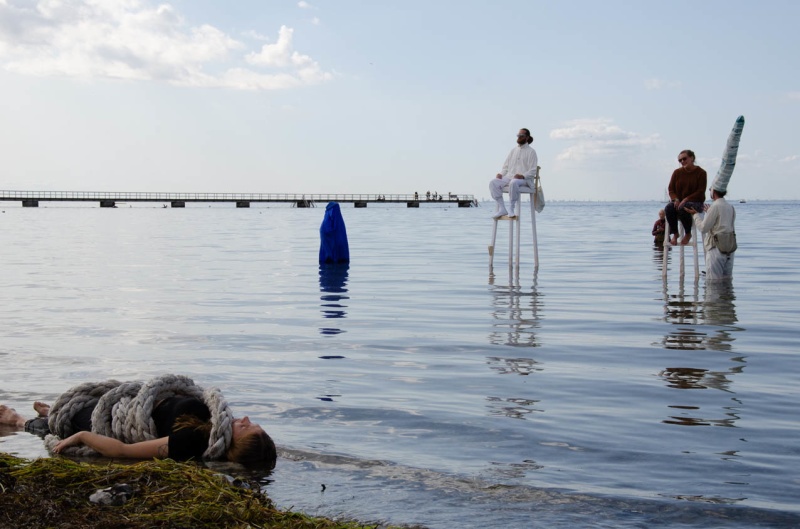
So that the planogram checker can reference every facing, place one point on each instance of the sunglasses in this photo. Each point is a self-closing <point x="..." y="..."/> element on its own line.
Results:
<point x="683" y="159"/>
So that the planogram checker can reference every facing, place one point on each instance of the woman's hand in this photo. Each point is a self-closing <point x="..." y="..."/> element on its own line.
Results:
<point x="72" y="440"/>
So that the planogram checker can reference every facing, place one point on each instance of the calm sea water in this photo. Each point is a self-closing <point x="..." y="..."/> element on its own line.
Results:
<point x="417" y="388"/>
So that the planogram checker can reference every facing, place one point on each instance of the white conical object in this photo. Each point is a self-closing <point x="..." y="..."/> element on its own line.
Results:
<point x="729" y="157"/>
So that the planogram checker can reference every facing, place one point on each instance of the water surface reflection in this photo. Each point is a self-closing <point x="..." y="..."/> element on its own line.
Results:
<point x="699" y="325"/>
<point x="515" y="318"/>
<point x="333" y="285"/>
<point x="516" y="314"/>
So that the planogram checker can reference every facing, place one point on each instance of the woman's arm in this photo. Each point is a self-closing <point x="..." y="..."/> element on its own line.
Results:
<point x="110" y="447"/>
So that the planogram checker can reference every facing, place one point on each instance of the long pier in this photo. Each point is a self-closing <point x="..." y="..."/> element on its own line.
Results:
<point x="110" y="199"/>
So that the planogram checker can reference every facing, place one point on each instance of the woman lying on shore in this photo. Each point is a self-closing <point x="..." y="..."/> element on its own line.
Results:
<point x="183" y="426"/>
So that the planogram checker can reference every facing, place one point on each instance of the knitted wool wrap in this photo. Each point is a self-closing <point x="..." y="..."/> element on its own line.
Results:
<point x="124" y="411"/>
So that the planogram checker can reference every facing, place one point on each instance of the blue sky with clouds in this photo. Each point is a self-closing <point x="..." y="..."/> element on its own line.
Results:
<point x="394" y="97"/>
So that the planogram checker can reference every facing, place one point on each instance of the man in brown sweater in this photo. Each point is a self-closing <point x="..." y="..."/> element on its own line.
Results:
<point x="687" y="187"/>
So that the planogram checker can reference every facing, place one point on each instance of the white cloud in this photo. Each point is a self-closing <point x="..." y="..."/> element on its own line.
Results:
<point x="794" y="95"/>
<point x="659" y="84"/>
<point x="282" y="55"/>
<point x="134" y="40"/>
<point x="252" y="34"/>
<point x="593" y="138"/>
<point x="788" y="159"/>
<point x="278" y="54"/>
<point x="304" y="5"/>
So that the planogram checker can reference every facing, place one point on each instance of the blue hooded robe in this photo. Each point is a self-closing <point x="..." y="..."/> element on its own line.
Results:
<point x="333" y="246"/>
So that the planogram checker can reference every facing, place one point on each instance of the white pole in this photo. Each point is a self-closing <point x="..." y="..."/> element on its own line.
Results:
<point x="696" y="264"/>
<point x="510" y="247"/>
<point x="533" y="228"/>
<point x="518" y="223"/>
<point x="665" y="250"/>
<point x="491" y="246"/>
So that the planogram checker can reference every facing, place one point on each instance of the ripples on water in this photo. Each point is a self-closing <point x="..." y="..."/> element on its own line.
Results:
<point x="413" y="384"/>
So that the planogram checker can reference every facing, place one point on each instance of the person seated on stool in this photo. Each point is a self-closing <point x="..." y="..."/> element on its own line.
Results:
<point x="687" y="188"/>
<point x="520" y="164"/>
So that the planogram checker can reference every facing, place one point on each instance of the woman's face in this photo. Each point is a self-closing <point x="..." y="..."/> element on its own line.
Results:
<point x="685" y="160"/>
<point x="243" y="426"/>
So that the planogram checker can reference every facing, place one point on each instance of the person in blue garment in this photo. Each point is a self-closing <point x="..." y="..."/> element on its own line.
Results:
<point x="333" y="248"/>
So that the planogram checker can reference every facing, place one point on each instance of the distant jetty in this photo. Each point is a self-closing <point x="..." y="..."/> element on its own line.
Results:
<point x="110" y="199"/>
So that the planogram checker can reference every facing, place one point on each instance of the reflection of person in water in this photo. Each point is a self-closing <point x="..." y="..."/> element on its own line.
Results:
<point x="719" y="308"/>
<point x="333" y="285"/>
<point x="694" y="318"/>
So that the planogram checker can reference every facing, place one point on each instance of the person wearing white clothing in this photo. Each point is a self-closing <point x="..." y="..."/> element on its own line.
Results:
<point x="518" y="170"/>
<point x="719" y="218"/>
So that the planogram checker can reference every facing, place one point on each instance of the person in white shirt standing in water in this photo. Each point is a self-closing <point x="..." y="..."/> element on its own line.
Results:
<point x="717" y="225"/>
<point x="719" y="219"/>
<point x="520" y="165"/>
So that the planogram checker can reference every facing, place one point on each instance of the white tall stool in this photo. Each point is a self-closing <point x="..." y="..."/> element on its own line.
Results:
<point x="514" y="219"/>
<point x="692" y="244"/>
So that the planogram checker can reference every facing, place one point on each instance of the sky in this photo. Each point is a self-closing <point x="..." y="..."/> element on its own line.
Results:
<point x="380" y="97"/>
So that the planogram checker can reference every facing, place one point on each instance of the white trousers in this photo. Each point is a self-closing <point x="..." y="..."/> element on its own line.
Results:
<point x="718" y="265"/>
<point x="496" y="186"/>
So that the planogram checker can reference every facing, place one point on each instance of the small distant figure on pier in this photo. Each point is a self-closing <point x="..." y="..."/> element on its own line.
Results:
<point x="659" y="228"/>
<point x="416" y="195"/>
<point x="428" y="195"/>
<point x="333" y="248"/>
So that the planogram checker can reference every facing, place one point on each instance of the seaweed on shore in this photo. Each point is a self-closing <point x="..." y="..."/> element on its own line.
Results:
<point x="54" y="493"/>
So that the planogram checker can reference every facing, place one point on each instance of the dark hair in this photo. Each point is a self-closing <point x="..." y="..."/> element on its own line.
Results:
<point x="688" y="152"/>
<point x="530" y="138"/>
<point x="256" y="448"/>
<point x="719" y="193"/>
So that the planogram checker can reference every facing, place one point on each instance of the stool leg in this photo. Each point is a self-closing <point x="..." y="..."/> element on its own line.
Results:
<point x="491" y="246"/>
<point x="533" y="231"/>
<point x="681" y="233"/>
<point x="510" y="247"/>
<point x="665" y="249"/>
<point x="518" y="223"/>
<point x="694" y="243"/>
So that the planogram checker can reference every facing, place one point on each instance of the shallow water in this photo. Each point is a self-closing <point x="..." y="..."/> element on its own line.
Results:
<point x="418" y="388"/>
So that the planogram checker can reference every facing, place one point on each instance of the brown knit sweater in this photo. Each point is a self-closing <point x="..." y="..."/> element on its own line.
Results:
<point x="689" y="184"/>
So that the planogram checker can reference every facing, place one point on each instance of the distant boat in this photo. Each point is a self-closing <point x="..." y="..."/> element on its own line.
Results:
<point x="742" y="201"/>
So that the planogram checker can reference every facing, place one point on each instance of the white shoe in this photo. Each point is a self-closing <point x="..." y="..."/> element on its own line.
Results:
<point x="499" y="213"/>
<point x="513" y="210"/>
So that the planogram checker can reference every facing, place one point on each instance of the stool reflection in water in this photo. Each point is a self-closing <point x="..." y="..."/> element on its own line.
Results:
<point x="334" y="259"/>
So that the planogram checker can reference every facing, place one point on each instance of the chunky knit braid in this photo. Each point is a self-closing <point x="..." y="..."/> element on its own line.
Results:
<point x="124" y="411"/>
